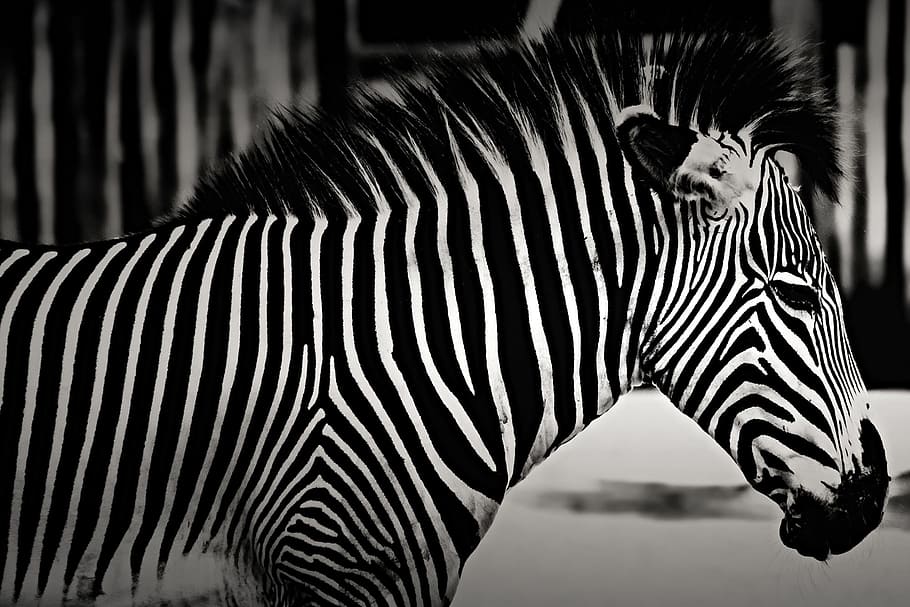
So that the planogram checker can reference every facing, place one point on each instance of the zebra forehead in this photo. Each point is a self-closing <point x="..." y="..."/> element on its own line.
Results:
<point x="321" y="162"/>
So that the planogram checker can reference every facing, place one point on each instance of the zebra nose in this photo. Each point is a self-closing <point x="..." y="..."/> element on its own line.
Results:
<point x="804" y="529"/>
<point x="858" y="509"/>
<point x="860" y="500"/>
<point x="818" y="529"/>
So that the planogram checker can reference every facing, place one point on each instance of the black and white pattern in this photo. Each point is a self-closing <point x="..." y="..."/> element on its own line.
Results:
<point x="318" y="379"/>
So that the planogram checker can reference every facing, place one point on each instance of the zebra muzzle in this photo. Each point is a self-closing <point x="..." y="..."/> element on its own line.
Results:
<point x="818" y="529"/>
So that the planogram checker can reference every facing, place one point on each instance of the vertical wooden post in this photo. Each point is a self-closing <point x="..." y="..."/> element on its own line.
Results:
<point x="164" y="85"/>
<point x="96" y="33"/>
<point x="23" y="53"/>
<point x="64" y="110"/>
<point x="132" y="169"/>
<point x="201" y="16"/>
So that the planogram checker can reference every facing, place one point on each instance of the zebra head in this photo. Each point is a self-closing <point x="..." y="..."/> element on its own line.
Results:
<point x="747" y="331"/>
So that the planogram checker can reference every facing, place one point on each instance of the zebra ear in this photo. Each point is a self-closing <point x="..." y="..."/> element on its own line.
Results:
<point x="680" y="161"/>
<point x="655" y="146"/>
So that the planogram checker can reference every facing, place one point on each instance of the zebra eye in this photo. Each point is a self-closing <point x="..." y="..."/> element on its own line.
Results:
<point x="797" y="296"/>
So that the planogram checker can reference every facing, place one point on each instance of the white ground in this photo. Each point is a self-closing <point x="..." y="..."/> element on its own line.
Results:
<point x="536" y="556"/>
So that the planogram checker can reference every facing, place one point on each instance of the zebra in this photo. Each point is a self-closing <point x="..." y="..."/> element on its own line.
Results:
<point x="315" y="382"/>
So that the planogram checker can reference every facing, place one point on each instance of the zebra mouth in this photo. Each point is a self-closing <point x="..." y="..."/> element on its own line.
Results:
<point x="817" y="529"/>
<point x="820" y="527"/>
<point x="806" y="538"/>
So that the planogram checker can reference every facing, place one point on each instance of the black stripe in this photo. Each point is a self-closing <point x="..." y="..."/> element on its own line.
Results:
<point x="754" y="428"/>
<point x="302" y="320"/>
<point x="213" y="367"/>
<point x="102" y="435"/>
<point x="127" y="477"/>
<point x="204" y="408"/>
<point x="480" y="408"/>
<point x="554" y="305"/>
<point x="396" y="469"/>
<point x="581" y="270"/>
<point x="266" y="392"/>
<point x="619" y="293"/>
<point x="241" y="390"/>
<point x="517" y="359"/>
<point x="171" y="416"/>
<point x="13" y="405"/>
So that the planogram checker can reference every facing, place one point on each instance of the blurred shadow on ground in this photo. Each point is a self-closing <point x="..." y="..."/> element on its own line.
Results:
<point x="679" y="502"/>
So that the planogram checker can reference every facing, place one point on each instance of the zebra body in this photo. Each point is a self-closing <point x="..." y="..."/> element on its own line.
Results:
<point x="319" y="380"/>
<point x="268" y="308"/>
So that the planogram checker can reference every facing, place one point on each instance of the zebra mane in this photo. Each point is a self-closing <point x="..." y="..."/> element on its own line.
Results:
<point x="322" y="162"/>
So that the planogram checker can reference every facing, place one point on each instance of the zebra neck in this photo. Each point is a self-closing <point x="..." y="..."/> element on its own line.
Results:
<point x="572" y="255"/>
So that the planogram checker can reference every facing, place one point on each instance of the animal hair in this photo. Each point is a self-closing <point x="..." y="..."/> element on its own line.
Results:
<point x="325" y="161"/>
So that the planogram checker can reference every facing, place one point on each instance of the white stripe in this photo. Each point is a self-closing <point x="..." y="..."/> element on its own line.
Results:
<point x="265" y="511"/>
<point x="319" y="546"/>
<point x="614" y="225"/>
<point x="445" y="260"/>
<point x="319" y="227"/>
<point x="449" y="400"/>
<point x="363" y="384"/>
<point x="13" y="258"/>
<point x="542" y="169"/>
<point x="475" y="502"/>
<point x="600" y="156"/>
<point x="195" y="377"/>
<point x="491" y="338"/>
<point x="800" y="428"/>
<point x="258" y="373"/>
<point x="304" y="521"/>
<point x="10" y="309"/>
<point x="701" y="296"/>
<point x="341" y="530"/>
<point x="5" y="328"/>
<point x="268" y="536"/>
<point x="326" y="580"/>
<point x="267" y="539"/>
<point x="230" y="365"/>
<point x="343" y="408"/>
<point x="286" y="346"/>
<point x="680" y="268"/>
<point x="129" y="382"/>
<point x="34" y="354"/>
<point x="709" y="301"/>
<point x="161" y="378"/>
<point x="546" y="432"/>
<point x="625" y="380"/>
<point x="102" y="361"/>
<point x="362" y="500"/>
<point x="68" y="369"/>
<point x="604" y="398"/>
<point x="665" y="262"/>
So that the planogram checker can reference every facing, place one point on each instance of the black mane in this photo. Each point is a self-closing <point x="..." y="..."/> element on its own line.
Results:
<point x="315" y="162"/>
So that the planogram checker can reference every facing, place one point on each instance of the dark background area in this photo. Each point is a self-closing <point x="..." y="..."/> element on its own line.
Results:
<point x="110" y="108"/>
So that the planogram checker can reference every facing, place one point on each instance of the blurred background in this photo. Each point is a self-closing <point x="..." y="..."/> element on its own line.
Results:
<point x="109" y="109"/>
